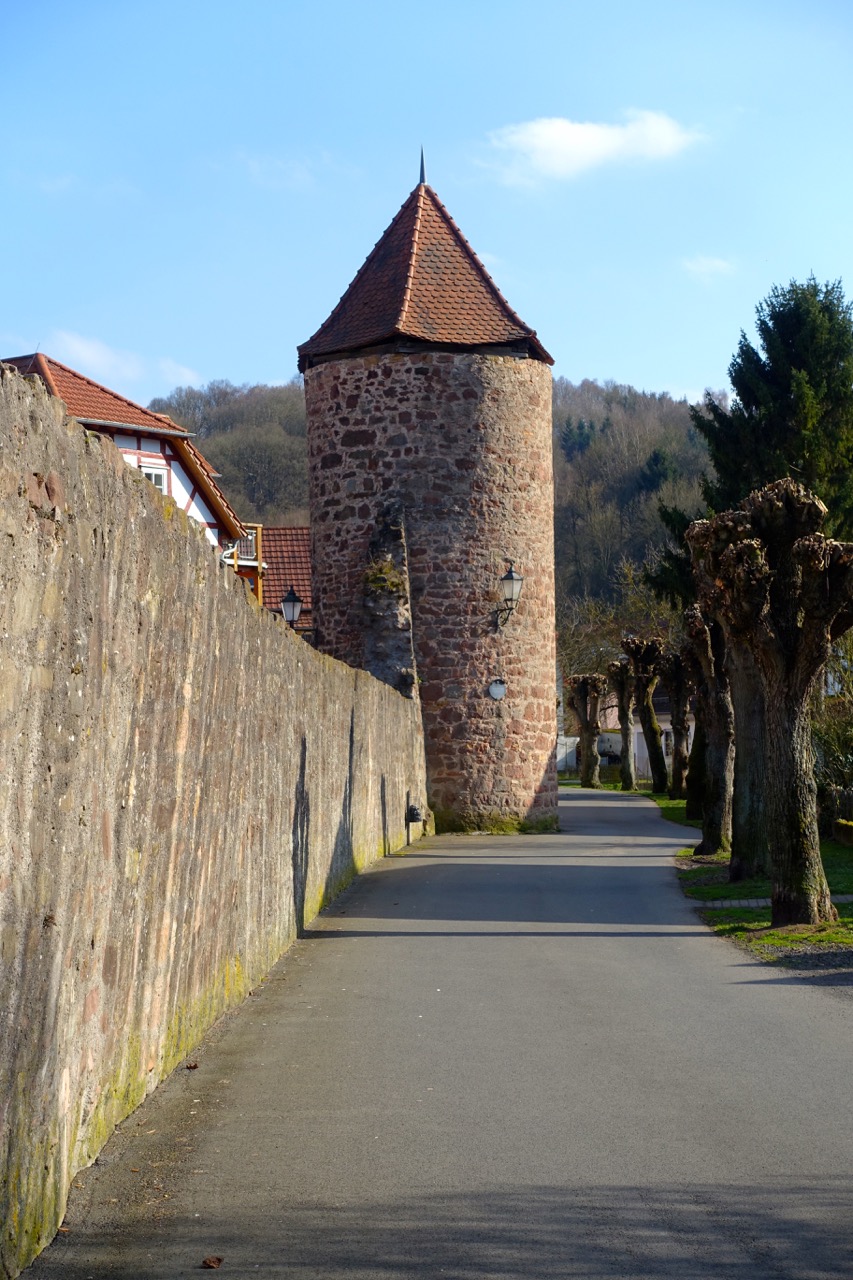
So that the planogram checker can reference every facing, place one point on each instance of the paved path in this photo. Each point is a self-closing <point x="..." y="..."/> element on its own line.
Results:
<point x="518" y="1058"/>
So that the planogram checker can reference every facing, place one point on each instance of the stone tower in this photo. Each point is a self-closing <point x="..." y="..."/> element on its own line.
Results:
<point x="429" y="444"/>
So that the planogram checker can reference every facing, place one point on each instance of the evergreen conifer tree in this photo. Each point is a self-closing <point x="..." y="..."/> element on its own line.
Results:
<point x="792" y="411"/>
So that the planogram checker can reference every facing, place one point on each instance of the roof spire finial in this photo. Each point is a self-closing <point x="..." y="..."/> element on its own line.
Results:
<point x="423" y="168"/>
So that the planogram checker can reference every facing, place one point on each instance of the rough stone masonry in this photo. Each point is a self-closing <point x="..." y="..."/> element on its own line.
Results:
<point x="461" y="443"/>
<point x="183" y="782"/>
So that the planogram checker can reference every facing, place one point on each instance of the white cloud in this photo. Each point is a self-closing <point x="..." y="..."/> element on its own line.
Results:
<point x="138" y="377"/>
<point x="95" y="358"/>
<point x="554" y="147"/>
<point x="706" y="268"/>
<point x="178" y="374"/>
<point x="274" y="174"/>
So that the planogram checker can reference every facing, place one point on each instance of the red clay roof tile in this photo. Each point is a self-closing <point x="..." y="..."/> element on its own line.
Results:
<point x="87" y="399"/>
<point x="90" y="402"/>
<point x="286" y="552"/>
<point x="422" y="280"/>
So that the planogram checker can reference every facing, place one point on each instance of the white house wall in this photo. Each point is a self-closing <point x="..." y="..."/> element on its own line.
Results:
<point x="641" y="755"/>
<point x="610" y="744"/>
<point x="141" y="450"/>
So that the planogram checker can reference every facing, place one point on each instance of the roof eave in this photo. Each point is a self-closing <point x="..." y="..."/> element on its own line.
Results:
<point x="212" y="494"/>
<point x="135" y="428"/>
<point x="307" y="359"/>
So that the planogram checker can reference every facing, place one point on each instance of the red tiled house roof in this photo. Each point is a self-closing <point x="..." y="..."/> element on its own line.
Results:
<point x="287" y="556"/>
<point x="88" y="401"/>
<point x="97" y="406"/>
<point x="422" y="282"/>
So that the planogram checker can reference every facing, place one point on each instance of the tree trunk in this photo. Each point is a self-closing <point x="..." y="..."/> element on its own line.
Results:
<point x="800" y="891"/>
<point x="626" y="729"/>
<point x="750" y="828"/>
<point x="694" y="785"/>
<point x="652" y="733"/>
<point x="719" y="767"/>
<point x="715" y="718"/>
<point x="590" y="759"/>
<point x="585" y="694"/>
<point x="680" y="746"/>
<point x="678" y="677"/>
<point x="620" y="679"/>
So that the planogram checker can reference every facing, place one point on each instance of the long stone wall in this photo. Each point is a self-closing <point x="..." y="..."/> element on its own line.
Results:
<point x="183" y="781"/>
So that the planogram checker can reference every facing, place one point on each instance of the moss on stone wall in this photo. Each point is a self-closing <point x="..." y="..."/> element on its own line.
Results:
<point x="381" y="577"/>
<point x="493" y="823"/>
<point x="180" y="772"/>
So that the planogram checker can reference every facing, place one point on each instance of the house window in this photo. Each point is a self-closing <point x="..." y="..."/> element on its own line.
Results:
<point x="157" y="476"/>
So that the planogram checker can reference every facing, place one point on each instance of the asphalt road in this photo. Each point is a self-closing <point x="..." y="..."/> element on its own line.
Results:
<point x="497" y="1058"/>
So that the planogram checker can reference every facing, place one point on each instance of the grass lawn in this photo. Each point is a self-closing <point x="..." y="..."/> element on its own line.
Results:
<point x="750" y="928"/>
<point x="711" y="880"/>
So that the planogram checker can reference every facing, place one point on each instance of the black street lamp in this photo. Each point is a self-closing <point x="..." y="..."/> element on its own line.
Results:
<point x="291" y="607"/>
<point x="511" y="584"/>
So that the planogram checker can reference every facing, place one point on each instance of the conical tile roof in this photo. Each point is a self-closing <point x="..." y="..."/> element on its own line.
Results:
<point x="422" y="281"/>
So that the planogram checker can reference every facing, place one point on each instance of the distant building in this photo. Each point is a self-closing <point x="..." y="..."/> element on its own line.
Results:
<point x="151" y="442"/>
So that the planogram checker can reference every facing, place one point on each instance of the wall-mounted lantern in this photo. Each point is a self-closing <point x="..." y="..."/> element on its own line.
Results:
<point x="291" y="607"/>
<point x="511" y="584"/>
<point x="497" y="689"/>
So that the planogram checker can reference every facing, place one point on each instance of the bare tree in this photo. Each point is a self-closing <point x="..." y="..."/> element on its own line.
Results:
<point x="781" y="592"/>
<point x="585" y="694"/>
<point x="645" y="655"/>
<point x="620" y="678"/>
<point x="677" y="677"/>
<point x="587" y="634"/>
<point x="715" y="722"/>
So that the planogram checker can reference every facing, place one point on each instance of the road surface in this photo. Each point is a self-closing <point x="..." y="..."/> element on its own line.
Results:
<point x="497" y="1057"/>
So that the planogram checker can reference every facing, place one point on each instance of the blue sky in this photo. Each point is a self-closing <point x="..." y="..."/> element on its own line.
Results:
<point x="187" y="188"/>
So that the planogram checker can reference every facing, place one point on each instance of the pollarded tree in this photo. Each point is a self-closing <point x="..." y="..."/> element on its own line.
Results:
<point x="677" y="677"/>
<point x="781" y="592"/>
<point x="715" y="715"/>
<point x="620" y="678"/>
<point x="585" y="694"/>
<point x="645" y="656"/>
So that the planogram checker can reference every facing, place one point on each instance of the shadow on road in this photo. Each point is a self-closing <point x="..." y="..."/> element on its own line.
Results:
<point x="518" y="893"/>
<point x="790" y="1230"/>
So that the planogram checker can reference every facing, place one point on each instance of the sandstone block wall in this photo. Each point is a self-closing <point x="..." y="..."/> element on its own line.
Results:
<point x="182" y="780"/>
<point x="463" y="443"/>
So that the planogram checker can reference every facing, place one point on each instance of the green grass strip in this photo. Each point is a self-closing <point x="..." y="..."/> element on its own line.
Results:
<point x="711" y="883"/>
<point x="750" y="927"/>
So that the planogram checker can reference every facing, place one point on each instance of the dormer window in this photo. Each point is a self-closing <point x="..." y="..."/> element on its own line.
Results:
<point x="157" y="476"/>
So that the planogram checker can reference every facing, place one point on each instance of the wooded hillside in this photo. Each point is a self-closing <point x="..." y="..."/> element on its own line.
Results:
<point x="255" y="437"/>
<point x="618" y="453"/>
